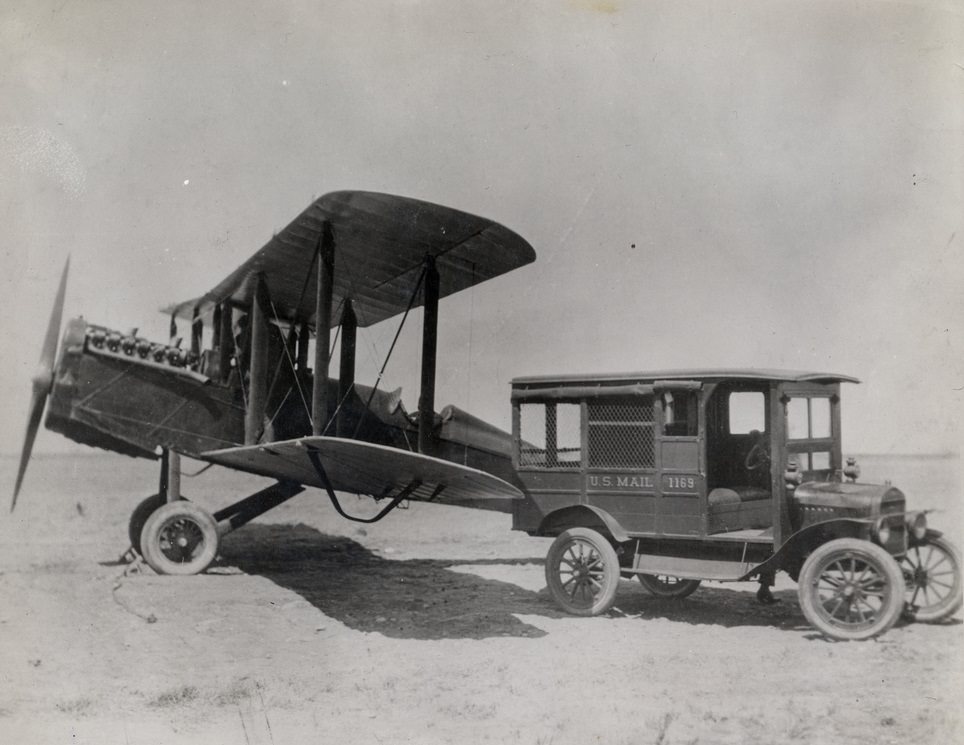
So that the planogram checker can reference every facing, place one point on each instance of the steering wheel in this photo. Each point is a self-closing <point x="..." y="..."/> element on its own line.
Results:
<point x="758" y="456"/>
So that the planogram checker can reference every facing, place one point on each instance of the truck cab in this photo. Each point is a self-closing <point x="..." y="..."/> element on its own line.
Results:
<point x="712" y="474"/>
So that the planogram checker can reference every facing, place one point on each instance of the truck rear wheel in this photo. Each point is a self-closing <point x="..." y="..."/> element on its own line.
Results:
<point x="668" y="587"/>
<point x="582" y="572"/>
<point x="851" y="590"/>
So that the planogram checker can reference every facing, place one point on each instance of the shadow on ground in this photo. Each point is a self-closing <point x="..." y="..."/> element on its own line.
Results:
<point x="411" y="599"/>
<point x="430" y="599"/>
<point x="717" y="606"/>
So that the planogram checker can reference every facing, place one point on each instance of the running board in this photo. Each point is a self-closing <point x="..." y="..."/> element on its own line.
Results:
<point x="675" y="566"/>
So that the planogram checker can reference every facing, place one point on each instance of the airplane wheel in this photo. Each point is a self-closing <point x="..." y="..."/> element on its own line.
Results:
<point x="582" y="571"/>
<point x="179" y="538"/>
<point x="851" y="590"/>
<point x="663" y="586"/>
<point x="139" y="517"/>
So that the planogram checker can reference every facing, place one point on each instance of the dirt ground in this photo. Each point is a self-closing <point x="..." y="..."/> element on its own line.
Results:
<point x="433" y="626"/>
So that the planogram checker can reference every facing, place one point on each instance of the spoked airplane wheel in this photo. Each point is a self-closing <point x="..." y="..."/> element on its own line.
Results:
<point x="932" y="572"/>
<point x="179" y="538"/>
<point x="582" y="571"/>
<point x="663" y="586"/>
<point x="851" y="590"/>
<point x="139" y="517"/>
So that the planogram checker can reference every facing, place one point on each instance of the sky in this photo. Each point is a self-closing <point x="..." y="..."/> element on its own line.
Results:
<point x="738" y="184"/>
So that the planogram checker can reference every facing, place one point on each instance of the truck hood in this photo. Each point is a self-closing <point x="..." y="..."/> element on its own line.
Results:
<point x="849" y="496"/>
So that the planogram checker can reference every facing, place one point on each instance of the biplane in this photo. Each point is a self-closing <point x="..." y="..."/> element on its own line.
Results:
<point x="252" y="390"/>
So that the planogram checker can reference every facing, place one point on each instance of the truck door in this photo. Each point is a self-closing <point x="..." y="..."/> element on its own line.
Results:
<point x="681" y="480"/>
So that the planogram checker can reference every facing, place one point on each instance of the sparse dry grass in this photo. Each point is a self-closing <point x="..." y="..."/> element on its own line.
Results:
<point x="76" y="706"/>
<point x="175" y="697"/>
<point x="661" y="725"/>
<point x="238" y="691"/>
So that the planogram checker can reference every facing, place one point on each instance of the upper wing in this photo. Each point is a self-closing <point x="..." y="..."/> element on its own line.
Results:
<point x="380" y="242"/>
<point x="365" y="468"/>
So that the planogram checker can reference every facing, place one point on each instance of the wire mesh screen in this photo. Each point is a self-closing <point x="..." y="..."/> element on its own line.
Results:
<point x="621" y="434"/>
<point x="550" y="435"/>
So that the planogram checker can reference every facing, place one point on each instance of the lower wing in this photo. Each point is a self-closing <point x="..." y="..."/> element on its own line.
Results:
<point x="364" y="468"/>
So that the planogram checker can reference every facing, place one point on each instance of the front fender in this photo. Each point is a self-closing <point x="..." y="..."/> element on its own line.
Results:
<point x="790" y="555"/>
<point x="928" y="537"/>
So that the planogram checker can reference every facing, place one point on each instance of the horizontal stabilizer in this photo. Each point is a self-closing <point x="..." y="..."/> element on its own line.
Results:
<point x="364" y="468"/>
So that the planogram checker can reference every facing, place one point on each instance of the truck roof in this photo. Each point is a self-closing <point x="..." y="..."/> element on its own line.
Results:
<point x="707" y="374"/>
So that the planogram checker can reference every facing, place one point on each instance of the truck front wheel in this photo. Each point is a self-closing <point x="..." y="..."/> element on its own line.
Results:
<point x="932" y="571"/>
<point x="582" y="572"/>
<point x="851" y="590"/>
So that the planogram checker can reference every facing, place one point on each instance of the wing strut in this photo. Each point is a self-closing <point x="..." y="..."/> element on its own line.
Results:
<point x="323" y="298"/>
<point x="258" y="365"/>
<point x="323" y="477"/>
<point x="426" y="399"/>
<point x="346" y="368"/>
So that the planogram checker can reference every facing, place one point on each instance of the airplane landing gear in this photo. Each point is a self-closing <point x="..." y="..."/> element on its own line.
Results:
<point x="176" y="536"/>
<point x="139" y="517"/>
<point x="169" y="490"/>
<point x="179" y="538"/>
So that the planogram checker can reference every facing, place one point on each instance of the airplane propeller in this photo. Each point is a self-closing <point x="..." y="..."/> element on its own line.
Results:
<point x="42" y="381"/>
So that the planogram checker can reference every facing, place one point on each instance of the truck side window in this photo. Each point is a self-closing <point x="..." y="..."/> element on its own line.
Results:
<point x="679" y="414"/>
<point x="747" y="412"/>
<point x="550" y="435"/>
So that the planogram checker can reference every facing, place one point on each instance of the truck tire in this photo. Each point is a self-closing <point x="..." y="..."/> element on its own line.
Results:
<point x="582" y="572"/>
<point x="932" y="572"/>
<point x="663" y="586"/>
<point x="851" y="589"/>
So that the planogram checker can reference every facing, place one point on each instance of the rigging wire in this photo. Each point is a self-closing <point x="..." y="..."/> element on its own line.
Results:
<point x="291" y="363"/>
<point x="381" y="372"/>
<point x="371" y="348"/>
<point x="334" y="415"/>
<point x="286" y="341"/>
<point x="334" y="342"/>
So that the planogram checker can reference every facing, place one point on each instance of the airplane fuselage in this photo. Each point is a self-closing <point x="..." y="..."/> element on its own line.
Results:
<point x="122" y="394"/>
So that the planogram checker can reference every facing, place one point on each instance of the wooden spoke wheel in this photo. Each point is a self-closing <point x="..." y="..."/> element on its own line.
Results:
<point x="663" y="586"/>
<point x="582" y="572"/>
<point x="851" y="589"/>
<point x="179" y="538"/>
<point x="932" y="572"/>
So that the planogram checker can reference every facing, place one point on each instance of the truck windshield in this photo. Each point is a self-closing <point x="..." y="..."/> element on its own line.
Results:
<point x="809" y="420"/>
